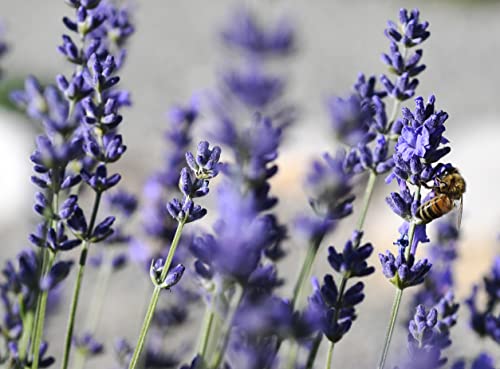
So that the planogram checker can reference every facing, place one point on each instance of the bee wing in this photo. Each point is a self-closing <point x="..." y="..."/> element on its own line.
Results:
<point x="460" y="211"/>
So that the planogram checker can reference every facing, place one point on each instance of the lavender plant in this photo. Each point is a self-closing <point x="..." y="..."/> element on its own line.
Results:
<point x="486" y="321"/>
<point x="233" y="267"/>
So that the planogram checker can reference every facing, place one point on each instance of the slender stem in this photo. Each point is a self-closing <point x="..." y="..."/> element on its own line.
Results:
<point x="48" y="259"/>
<point x="398" y="297"/>
<point x="305" y="270"/>
<point x="329" y="356"/>
<point x="207" y="328"/>
<point x="40" y="321"/>
<point x="27" y="329"/>
<point x="155" y="296"/>
<point x="94" y="313"/>
<point x="394" y="113"/>
<point x="73" y="308"/>
<point x="226" y="330"/>
<point x="292" y="355"/>
<point x="370" y="186"/>
<point x="78" y="283"/>
<point x="314" y="351"/>
<point x="390" y="328"/>
<point x="99" y="295"/>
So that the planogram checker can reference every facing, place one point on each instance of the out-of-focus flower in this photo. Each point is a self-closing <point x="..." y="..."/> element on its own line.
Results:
<point x="483" y="320"/>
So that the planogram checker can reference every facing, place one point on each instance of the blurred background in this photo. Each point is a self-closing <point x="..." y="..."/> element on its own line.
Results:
<point x="176" y="52"/>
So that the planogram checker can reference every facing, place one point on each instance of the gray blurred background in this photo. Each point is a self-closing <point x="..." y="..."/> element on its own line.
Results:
<point x="175" y="52"/>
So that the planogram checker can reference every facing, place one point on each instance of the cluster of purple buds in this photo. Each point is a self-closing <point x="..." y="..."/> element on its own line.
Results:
<point x="79" y="117"/>
<point x="87" y="345"/>
<point x="358" y="118"/>
<point x="246" y="34"/>
<point x="402" y="60"/>
<point x="330" y="187"/>
<point x="361" y="117"/>
<point x="429" y="334"/>
<point x="158" y="223"/>
<point x="19" y="289"/>
<point x="421" y="143"/>
<point x="482" y="361"/>
<point x="336" y="305"/>
<point x="194" y="183"/>
<point x="403" y="270"/>
<point x="250" y="84"/>
<point x="417" y="151"/>
<point x="484" y="321"/>
<point x="173" y="277"/>
<point x="241" y="237"/>
<point x="251" y="94"/>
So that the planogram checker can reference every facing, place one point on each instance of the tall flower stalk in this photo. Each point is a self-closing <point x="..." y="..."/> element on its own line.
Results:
<point x="193" y="183"/>
<point x="80" y="120"/>
<point x="361" y="122"/>
<point x="250" y="118"/>
<point x="417" y="152"/>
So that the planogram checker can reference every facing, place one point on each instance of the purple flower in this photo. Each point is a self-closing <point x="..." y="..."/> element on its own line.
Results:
<point x="429" y="334"/>
<point x="157" y="221"/>
<point x="336" y="305"/>
<point x="56" y="275"/>
<point x="253" y="88"/>
<point x="241" y="237"/>
<point x="123" y="202"/>
<point x="483" y="320"/>
<point x="335" y="313"/>
<point x="173" y="277"/>
<point x="482" y="361"/>
<point x="352" y="261"/>
<point x="247" y="34"/>
<point x="194" y="184"/>
<point x="413" y="31"/>
<point x="329" y="184"/>
<point x="88" y="345"/>
<point x="351" y="119"/>
<point x="402" y="270"/>
<point x="408" y="33"/>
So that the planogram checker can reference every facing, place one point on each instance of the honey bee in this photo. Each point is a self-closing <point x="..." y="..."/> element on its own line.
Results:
<point x="450" y="188"/>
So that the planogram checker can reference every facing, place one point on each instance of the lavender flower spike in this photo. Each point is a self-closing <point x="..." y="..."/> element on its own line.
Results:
<point x="192" y="184"/>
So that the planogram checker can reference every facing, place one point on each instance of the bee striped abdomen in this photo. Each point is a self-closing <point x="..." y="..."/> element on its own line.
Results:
<point x="435" y="208"/>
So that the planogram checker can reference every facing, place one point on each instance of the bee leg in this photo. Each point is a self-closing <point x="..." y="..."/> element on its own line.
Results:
<point x="427" y="186"/>
<point x="418" y="221"/>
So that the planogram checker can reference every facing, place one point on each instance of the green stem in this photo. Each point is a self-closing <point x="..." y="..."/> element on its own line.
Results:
<point x="94" y="313"/>
<point x="305" y="270"/>
<point x="78" y="283"/>
<point x="398" y="297"/>
<point x="390" y="328"/>
<point x="292" y="355"/>
<point x="23" y="344"/>
<point x="370" y="186"/>
<point x="207" y="329"/>
<point x="311" y="358"/>
<point x="394" y="114"/>
<point x="226" y="331"/>
<point x="40" y="321"/>
<point x="155" y="296"/>
<point x="48" y="259"/>
<point x="329" y="356"/>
